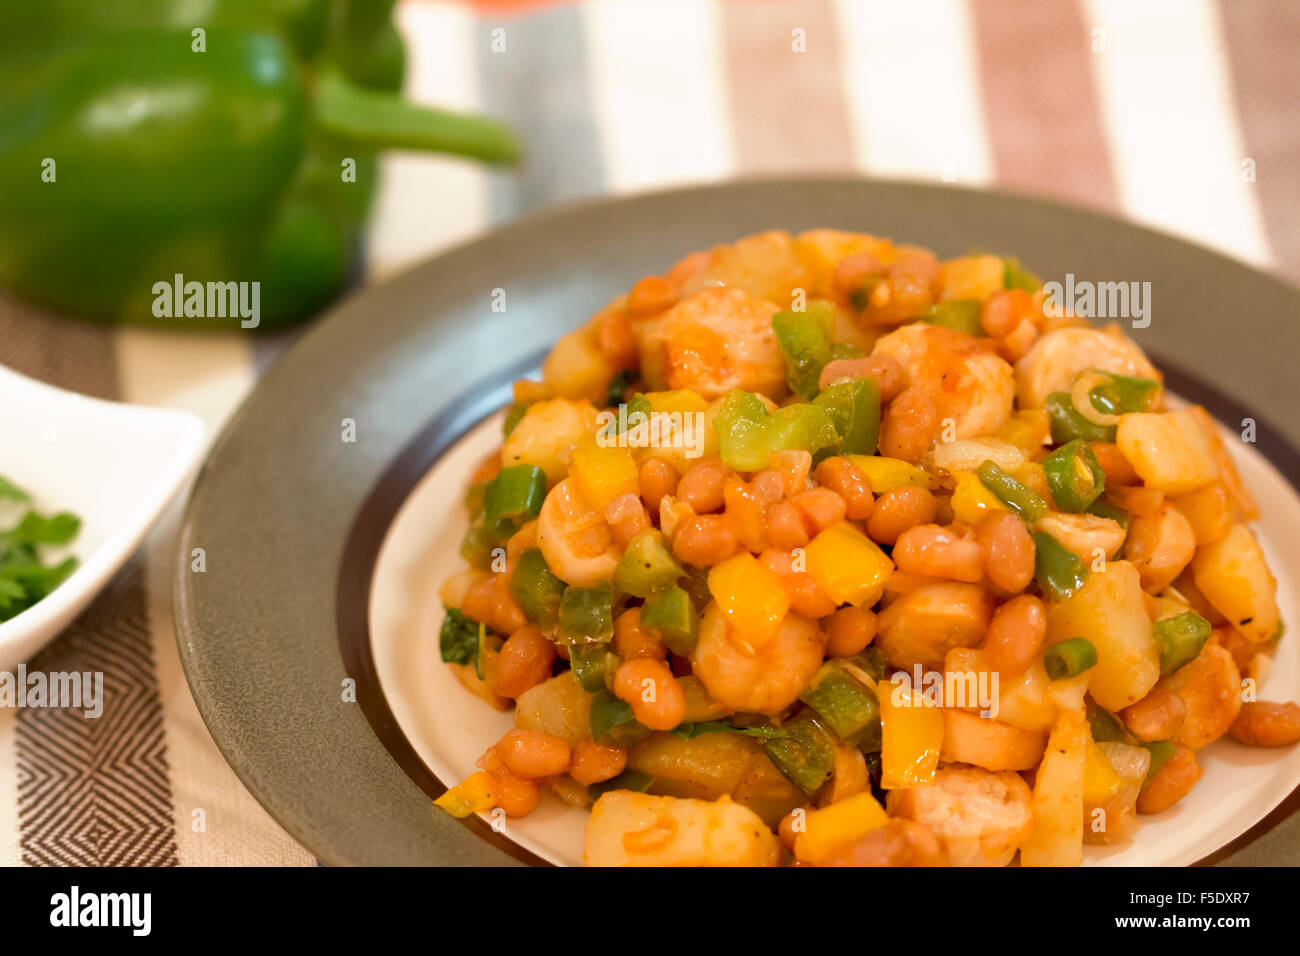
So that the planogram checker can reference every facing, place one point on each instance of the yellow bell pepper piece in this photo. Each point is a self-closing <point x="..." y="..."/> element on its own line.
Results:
<point x="888" y="473"/>
<point x="1029" y="429"/>
<point x="471" y="795"/>
<point x="840" y="823"/>
<point x="752" y="598"/>
<point x="972" y="501"/>
<point x="1100" y="781"/>
<point x="604" y="472"/>
<point x="848" y="565"/>
<point x="911" y="737"/>
<point x="678" y="400"/>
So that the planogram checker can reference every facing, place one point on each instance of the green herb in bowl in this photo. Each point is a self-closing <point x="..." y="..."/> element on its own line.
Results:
<point x="25" y="578"/>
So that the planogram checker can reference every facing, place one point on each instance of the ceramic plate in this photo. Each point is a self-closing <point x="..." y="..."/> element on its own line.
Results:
<point x="329" y="509"/>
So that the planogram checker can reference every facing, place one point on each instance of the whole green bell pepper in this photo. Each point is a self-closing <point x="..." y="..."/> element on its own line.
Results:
<point x="149" y="146"/>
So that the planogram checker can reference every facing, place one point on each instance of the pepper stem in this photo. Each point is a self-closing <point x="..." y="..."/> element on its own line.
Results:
<point x="386" y="121"/>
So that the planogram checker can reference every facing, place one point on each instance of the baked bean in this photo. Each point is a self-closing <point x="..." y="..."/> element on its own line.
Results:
<point x="489" y="600"/>
<point x="933" y="551"/>
<point x="1008" y="550"/>
<point x="1015" y="635"/>
<point x="631" y="640"/>
<point x="784" y="527"/>
<point x="821" y="508"/>
<point x="793" y="466"/>
<point x="852" y="271"/>
<point x="908" y="425"/>
<point x="899" y="509"/>
<point x="649" y="686"/>
<point x="849" y="631"/>
<point x="1157" y="716"/>
<point x="516" y="797"/>
<point x="652" y="295"/>
<point x="524" y="661"/>
<point x="1004" y="310"/>
<point x="807" y="599"/>
<point x="1263" y="723"/>
<point x="593" y="762"/>
<point x="658" y="478"/>
<point x="1171" y="782"/>
<point x="626" y="517"/>
<point x="701" y="486"/>
<point x="842" y="477"/>
<point x="704" y="540"/>
<point x="530" y="754"/>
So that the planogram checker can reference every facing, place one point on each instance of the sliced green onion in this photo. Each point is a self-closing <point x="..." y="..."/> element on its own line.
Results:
<point x="1180" y="639"/>
<point x="1104" y="509"/>
<point x="1057" y="569"/>
<point x="1023" y="501"/>
<point x="1067" y="424"/>
<point x="1123" y="394"/>
<point x="1069" y="658"/>
<point x="1074" y="476"/>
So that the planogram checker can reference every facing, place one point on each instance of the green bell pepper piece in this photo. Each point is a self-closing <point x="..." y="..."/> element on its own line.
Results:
<point x="1074" y="476"/>
<point x="804" y="752"/>
<point x="1161" y="751"/>
<point x="854" y="409"/>
<point x="516" y="493"/>
<point x="960" y="315"/>
<point x="748" y="433"/>
<point x="671" y="612"/>
<point x="1180" y="639"/>
<point x="536" y="590"/>
<point x="1105" y="727"/>
<point x="847" y="705"/>
<point x="647" y="566"/>
<point x="222" y="166"/>
<point x="1058" y="571"/>
<point x="592" y="664"/>
<point x="1067" y="424"/>
<point x="1069" y="658"/>
<point x="587" y="614"/>
<point x="805" y="341"/>
<point x="1023" y="501"/>
<point x="1016" y="276"/>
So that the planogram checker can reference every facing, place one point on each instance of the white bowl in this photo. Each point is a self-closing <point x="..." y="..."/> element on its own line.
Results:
<point x="115" y="466"/>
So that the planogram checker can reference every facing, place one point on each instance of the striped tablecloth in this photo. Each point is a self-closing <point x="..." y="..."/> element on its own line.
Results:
<point x="1182" y="114"/>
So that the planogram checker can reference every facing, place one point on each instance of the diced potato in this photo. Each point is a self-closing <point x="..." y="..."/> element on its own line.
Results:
<point x="1110" y="611"/>
<point x="699" y="705"/>
<point x="970" y="277"/>
<point x="637" y="829"/>
<point x="576" y="368"/>
<point x="1241" y="495"/>
<point x="1169" y="450"/>
<point x="558" y="706"/>
<point x="837" y="825"/>
<point x="716" y="765"/>
<point x="480" y="688"/>
<point x="547" y="435"/>
<point x="1057" y="838"/>
<point x="1210" y="511"/>
<point x="1234" y="577"/>
<point x="991" y="744"/>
